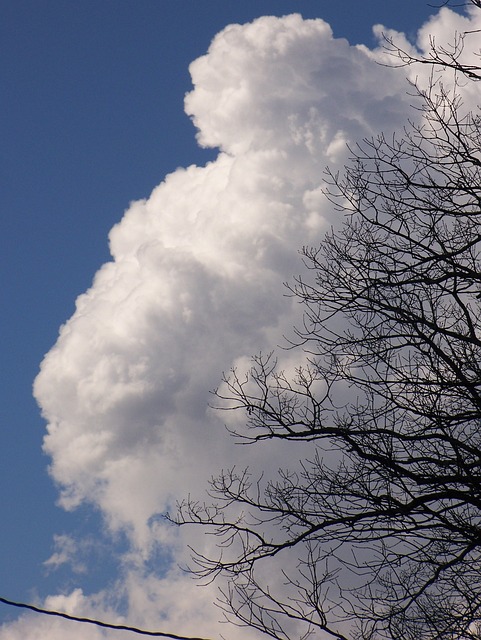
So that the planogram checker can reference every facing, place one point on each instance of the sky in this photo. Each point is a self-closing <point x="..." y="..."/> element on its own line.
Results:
<point x="161" y="168"/>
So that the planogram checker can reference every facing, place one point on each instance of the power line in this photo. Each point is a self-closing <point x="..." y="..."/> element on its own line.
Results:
<point x="98" y="623"/>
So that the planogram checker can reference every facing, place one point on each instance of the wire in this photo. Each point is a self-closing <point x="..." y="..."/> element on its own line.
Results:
<point x="99" y="623"/>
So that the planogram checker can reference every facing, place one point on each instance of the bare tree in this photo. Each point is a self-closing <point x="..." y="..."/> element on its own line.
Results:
<point x="378" y="530"/>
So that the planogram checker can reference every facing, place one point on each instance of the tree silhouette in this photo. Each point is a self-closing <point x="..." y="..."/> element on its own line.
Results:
<point x="383" y="518"/>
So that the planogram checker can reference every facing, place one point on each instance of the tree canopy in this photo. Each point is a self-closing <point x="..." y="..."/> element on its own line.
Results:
<point x="383" y="518"/>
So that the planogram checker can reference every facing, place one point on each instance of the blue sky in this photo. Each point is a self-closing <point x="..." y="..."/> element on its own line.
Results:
<point x="92" y="119"/>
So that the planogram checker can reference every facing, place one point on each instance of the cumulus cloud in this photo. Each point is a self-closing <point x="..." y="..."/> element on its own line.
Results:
<point x="195" y="285"/>
<point x="197" y="271"/>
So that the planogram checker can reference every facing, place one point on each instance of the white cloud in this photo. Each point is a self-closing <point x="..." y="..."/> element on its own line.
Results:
<point x="195" y="284"/>
<point x="66" y="551"/>
<point x="34" y="626"/>
<point x="446" y="31"/>
<point x="197" y="271"/>
<point x="287" y="84"/>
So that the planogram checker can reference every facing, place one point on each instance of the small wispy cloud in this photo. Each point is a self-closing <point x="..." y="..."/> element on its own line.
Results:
<point x="66" y="552"/>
